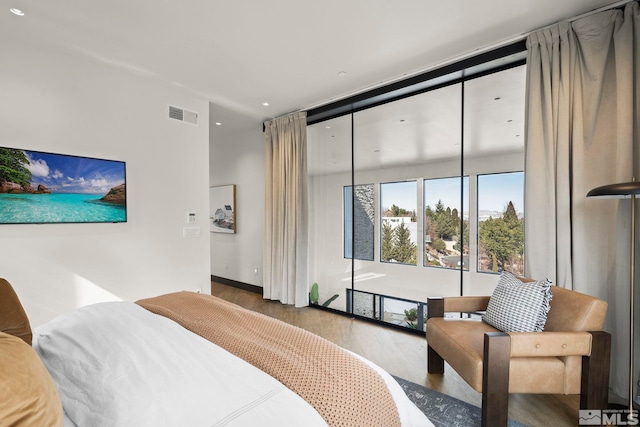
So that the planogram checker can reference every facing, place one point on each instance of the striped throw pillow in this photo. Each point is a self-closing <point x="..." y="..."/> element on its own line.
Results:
<point x="517" y="306"/>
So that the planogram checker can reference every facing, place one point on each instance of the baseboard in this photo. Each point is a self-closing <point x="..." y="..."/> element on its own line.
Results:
<point x="234" y="283"/>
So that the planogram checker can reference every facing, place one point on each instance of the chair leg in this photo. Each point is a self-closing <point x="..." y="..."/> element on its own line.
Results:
<point x="594" y="387"/>
<point x="495" y="379"/>
<point x="435" y="363"/>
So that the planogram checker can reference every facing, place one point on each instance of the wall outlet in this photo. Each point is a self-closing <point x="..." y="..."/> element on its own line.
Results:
<point x="190" y="232"/>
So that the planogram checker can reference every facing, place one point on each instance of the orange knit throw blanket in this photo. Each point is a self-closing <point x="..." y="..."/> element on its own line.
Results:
<point x="344" y="390"/>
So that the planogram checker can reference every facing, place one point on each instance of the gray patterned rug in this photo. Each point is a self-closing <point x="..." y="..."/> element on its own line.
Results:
<point x="443" y="410"/>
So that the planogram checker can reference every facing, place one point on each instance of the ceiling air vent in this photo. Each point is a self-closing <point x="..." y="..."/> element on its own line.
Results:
<point x="183" y="115"/>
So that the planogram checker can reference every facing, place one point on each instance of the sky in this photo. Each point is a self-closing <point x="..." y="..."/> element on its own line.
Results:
<point x="447" y="190"/>
<point x="401" y="194"/>
<point x="71" y="174"/>
<point x="494" y="192"/>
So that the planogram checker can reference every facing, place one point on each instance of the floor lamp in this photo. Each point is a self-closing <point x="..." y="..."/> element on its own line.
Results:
<point x="625" y="190"/>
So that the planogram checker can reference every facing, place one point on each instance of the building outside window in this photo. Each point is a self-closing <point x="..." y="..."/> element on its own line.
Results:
<point x="360" y="239"/>
<point x="398" y="228"/>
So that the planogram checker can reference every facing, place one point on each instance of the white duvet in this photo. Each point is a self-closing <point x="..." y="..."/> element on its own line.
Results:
<point x="117" y="364"/>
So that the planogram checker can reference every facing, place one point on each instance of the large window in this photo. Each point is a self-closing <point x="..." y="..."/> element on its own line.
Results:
<point x="501" y="222"/>
<point x="398" y="230"/>
<point x="446" y="222"/>
<point x="417" y="197"/>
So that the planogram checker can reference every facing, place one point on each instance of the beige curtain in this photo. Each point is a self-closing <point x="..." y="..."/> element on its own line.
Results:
<point x="285" y="260"/>
<point x="582" y="132"/>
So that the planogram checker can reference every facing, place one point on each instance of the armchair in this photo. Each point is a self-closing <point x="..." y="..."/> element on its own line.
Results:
<point x="571" y="356"/>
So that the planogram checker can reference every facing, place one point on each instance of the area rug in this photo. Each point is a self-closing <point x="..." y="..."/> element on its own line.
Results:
<point x="443" y="410"/>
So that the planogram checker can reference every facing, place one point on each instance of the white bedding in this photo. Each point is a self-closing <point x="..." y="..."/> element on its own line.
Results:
<point x="117" y="364"/>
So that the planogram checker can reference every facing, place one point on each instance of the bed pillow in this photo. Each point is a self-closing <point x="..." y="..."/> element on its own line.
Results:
<point x="13" y="319"/>
<point x="28" y="394"/>
<point x="517" y="306"/>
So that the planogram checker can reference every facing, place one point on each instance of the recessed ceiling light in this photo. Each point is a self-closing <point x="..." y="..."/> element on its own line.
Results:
<point x="266" y="104"/>
<point x="342" y="73"/>
<point x="218" y="124"/>
<point x="509" y="121"/>
<point x="327" y="127"/>
<point x="17" y="12"/>
<point x="496" y="98"/>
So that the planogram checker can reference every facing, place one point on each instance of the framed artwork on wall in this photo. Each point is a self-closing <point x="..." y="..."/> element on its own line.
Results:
<point x="38" y="187"/>
<point x="222" y="213"/>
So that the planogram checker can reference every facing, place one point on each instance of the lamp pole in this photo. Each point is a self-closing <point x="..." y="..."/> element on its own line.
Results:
<point x="626" y="190"/>
<point x="632" y="280"/>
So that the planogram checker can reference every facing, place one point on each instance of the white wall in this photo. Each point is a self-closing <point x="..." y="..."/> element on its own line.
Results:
<point x="63" y="102"/>
<point x="237" y="157"/>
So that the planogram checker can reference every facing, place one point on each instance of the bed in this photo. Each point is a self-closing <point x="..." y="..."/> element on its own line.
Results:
<point x="185" y="359"/>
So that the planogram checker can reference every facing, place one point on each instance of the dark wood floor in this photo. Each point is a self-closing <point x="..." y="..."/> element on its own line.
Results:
<point x="402" y="354"/>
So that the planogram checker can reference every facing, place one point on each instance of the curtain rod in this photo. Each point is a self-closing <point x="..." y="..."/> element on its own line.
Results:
<point x="463" y="56"/>
<point x="299" y="110"/>
<point x="282" y="115"/>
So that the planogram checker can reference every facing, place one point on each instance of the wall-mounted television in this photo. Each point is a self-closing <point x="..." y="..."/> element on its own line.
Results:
<point x="43" y="188"/>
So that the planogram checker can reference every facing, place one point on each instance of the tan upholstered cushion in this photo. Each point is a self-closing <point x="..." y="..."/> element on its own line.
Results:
<point x="13" y="319"/>
<point x="28" y="395"/>
<point x="573" y="311"/>
<point x="461" y="344"/>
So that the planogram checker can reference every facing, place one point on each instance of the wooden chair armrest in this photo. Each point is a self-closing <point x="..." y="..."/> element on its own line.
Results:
<point x="543" y="344"/>
<point x="435" y="307"/>
<point x="594" y="385"/>
<point x="466" y="304"/>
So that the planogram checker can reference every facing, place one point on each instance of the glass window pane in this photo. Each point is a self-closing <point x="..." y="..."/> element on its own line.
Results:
<point x="366" y="304"/>
<point x="494" y="106"/>
<point x="329" y="172"/>
<point x="501" y="222"/>
<point x="348" y="221"/>
<point x="364" y="217"/>
<point x="442" y="216"/>
<point x="408" y="314"/>
<point x="398" y="229"/>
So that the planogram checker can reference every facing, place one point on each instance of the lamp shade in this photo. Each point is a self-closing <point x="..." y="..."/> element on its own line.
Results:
<point x="622" y="190"/>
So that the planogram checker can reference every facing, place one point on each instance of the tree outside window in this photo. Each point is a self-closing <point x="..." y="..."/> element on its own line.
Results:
<point x="501" y="229"/>
<point x="444" y="246"/>
<point x="398" y="225"/>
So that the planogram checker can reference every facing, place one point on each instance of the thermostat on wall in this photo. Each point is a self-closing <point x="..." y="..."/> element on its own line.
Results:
<point x="191" y="218"/>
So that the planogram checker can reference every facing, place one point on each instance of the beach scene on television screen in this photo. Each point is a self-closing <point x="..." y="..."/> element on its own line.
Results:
<point x="38" y="187"/>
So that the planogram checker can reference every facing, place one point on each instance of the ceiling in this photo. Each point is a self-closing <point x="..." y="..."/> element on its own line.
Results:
<point x="293" y="54"/>
<point x="426" y="128"/>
